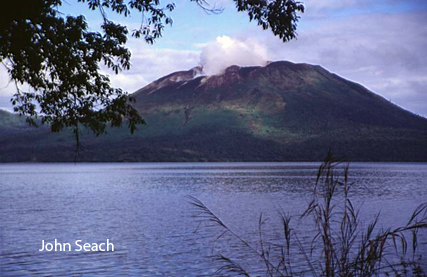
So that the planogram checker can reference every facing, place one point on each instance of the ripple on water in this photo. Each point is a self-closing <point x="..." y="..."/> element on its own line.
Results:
<point x="143" y="210"/>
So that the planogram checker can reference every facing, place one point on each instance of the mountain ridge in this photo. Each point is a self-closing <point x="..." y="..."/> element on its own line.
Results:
<point x="234" y="75"/>
<point x="278" y="112"/>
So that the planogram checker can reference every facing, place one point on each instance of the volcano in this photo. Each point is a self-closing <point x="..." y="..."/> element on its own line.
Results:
<point x="279" y="112"/>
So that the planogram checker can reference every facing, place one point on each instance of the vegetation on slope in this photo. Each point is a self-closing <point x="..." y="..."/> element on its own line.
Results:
<point x="279" y="112"/>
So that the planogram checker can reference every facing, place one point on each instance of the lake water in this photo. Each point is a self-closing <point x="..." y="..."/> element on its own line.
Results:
<point x="143" y="209"/>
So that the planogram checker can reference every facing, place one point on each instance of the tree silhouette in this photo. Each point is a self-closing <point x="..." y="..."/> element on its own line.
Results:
<point x="58" y="57"/>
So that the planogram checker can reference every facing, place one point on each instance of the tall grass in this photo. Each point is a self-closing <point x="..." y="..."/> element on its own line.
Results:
<point x="340" y="246"/>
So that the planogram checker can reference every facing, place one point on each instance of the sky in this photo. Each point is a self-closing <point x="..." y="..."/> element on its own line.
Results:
<point x="381" y="44"/>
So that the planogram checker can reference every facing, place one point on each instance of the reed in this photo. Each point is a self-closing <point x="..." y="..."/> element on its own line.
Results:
<point x="341" y="245"/>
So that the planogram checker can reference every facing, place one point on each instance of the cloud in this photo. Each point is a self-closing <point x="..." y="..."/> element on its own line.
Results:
<point x="150" y="63"/>
<point x="226" y="51"/>
<point x="328" y="5"/>
<point x="379" y="44"/>
<point x="7" y="88"/>
<point x="383" y="51"/>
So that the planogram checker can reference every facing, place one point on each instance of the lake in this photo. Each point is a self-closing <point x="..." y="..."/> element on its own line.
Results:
<point x="144" y="210"/>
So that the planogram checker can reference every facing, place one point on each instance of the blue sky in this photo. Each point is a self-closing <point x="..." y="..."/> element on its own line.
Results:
<point x="378" y="43"/>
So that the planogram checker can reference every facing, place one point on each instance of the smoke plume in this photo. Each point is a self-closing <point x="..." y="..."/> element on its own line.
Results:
<point x="225" y="51"/>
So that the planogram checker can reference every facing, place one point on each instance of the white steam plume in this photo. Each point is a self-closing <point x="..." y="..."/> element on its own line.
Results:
<point x="225" y="51"/>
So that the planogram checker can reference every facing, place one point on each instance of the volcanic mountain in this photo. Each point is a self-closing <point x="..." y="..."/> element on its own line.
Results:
<point x="278" y="112"/>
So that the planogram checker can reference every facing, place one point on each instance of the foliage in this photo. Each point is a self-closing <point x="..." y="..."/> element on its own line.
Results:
<point x="340" y="246"/>
<point x="58" y="57"/>
<point x="281" y="16"/>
